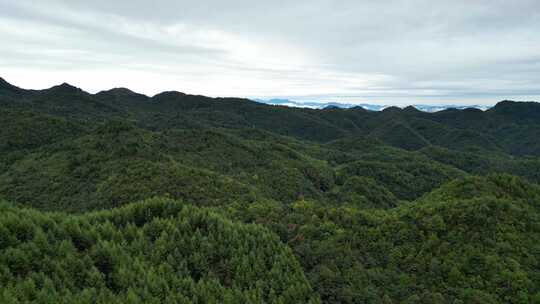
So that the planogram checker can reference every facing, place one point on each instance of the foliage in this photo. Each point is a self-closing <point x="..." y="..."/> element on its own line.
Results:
<point x="474" y="240"/>
<point x="156" y="251"/>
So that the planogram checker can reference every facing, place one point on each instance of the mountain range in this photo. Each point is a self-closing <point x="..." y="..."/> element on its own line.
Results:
<point x="119" y="197"/>
<point x="367" y="106"/>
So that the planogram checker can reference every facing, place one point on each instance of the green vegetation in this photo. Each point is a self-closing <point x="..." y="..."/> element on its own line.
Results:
<point x="474" y="240"/>
<point x="117" y="197"/>
<point x="152" y="252"/>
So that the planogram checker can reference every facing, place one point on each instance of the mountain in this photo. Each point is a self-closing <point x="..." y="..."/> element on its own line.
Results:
<point x="371" y="107"/>
<point x="118" y="197"/>
<point x="316" y="104"/>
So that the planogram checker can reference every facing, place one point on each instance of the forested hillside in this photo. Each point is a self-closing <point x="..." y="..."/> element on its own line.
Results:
<point x="153" y="252"/>
<point x="118" y="197"/>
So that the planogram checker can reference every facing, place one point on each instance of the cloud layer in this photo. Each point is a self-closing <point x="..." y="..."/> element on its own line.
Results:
<point x="414" y="51"/>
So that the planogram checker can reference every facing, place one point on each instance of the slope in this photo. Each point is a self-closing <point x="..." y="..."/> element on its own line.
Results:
<point x="152" y="252"/>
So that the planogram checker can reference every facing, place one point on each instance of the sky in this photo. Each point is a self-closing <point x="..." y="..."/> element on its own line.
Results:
<point x="353" y="51"/>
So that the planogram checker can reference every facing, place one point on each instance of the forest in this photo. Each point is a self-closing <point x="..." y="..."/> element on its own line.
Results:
<point x="118" y="197"/>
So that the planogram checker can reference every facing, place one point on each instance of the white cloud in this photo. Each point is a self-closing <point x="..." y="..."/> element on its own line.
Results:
<point x="392" y="51"/>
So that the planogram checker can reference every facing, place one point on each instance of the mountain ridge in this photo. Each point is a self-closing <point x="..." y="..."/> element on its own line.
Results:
<point x="4" y="84"/>
<point x="367" y="106"/>
<point x="469" y="126"/>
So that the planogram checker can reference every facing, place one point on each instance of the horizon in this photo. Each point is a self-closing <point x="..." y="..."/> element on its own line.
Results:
<point x="298" y="103"/>
<point x="449" y="52"/>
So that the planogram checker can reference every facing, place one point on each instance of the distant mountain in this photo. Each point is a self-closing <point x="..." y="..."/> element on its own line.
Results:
<point x="306" y="104"/>
<point x="367" y="106"/>
<point x="437" y="108"/>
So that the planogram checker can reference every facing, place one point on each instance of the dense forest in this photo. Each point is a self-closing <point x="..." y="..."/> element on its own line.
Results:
<point x="117" y="197"/>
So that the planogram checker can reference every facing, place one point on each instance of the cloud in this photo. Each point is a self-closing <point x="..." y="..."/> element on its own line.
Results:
<point x="394" y="51"/>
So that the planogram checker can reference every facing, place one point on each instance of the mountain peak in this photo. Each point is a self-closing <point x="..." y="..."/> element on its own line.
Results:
<point x="65" y="88"/>
<point x="169" y="95"/>
<point x="122" y="94"/>
<point x="331" y="107"/>
<point x="118" y="92"/>
<point x="392" y="109"/>
<point x="359" y="108"/>
<point x="411" y="109"/>
<point x="472" y="110"/>
<point x="8" y="87"/>
<point x="519" y="110"/>
<point x="506" y="104"/>
<point x="5" y="85"/>
<point x="124" y="91"/>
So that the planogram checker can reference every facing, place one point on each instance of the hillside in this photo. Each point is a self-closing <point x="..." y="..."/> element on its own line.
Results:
<point x="473" y="240"/>
<point x="118" y="197"/>
<point x="152" y="252"/>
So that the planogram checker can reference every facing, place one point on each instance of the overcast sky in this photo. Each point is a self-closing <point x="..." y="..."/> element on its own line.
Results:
<point x="390" y="52"/>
